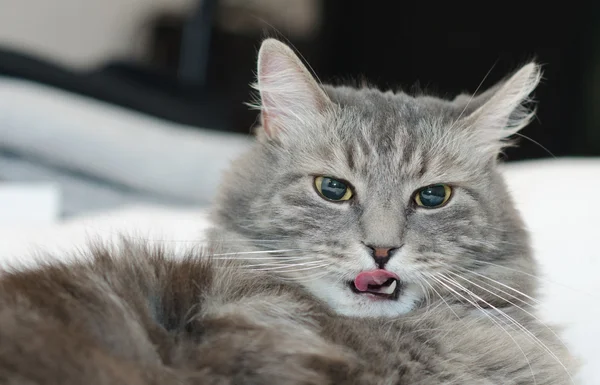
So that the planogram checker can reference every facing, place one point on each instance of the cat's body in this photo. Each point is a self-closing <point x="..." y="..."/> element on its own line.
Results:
<point x="141" y="318"/>
<point x="367" y="238"/>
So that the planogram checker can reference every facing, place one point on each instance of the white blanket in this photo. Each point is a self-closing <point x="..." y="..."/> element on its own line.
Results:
<point x="557" y="197"/>
<point x="550" y="194"/>
<point x="104" y="156"/>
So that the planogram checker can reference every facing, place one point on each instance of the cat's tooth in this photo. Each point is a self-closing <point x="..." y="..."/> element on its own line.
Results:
<point x="390" y="289"/>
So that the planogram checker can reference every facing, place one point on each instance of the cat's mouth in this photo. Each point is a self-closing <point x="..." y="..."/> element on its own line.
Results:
<point x="378" y="283"/>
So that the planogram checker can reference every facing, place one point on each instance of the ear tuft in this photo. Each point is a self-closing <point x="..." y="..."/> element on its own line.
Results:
<point x="506" y="108"/>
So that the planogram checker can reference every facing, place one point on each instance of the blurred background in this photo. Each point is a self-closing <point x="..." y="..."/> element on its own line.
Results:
<point x="107" y="97"/>
<point x="118" y="117"/>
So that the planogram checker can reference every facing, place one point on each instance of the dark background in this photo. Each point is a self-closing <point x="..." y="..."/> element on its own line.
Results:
<point x="447" y="50"/>
<point x="199" y="74"/>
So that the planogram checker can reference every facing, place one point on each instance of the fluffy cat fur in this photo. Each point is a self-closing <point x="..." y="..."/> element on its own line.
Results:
<point x="272" y="303"/>
<point x="145" y="317"/>
<point x="386" y="145"/>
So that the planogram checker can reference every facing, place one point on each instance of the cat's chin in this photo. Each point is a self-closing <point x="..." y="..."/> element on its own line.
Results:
<point x="346" y="301"/>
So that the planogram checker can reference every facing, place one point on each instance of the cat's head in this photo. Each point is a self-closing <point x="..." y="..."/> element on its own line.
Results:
<point x="376" y="200"/>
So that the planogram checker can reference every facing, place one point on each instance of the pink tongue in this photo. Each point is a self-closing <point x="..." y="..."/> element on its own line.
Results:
<point x="373" y="277"/>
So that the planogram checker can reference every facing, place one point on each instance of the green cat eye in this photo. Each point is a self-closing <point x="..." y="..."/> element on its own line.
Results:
<point x="433" y="196"/>
<point x="333" y="189"/>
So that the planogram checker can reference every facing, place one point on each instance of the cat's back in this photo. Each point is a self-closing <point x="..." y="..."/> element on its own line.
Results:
<point x="130" y="315"/>
<point x="135" y="315"/>
<point x="60" y="323"/>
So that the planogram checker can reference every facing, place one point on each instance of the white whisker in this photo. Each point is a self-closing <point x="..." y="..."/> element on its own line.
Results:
<point x="490" y="317"/>
<point x="227" y="240"/>
<point x="271" y="267"/>
<point x="442" y="298"/>
<point x="309" y="278"/>
<point x="256" y="252"/>
<point x="536" y="143"/>
<point x="304" y="269"/>
<point x="277" y="266"/>
<point x="527" y="332"/>
<point x="515" y="305"/>
<point x="272" y="258"/>
<point x="536" y="301"/>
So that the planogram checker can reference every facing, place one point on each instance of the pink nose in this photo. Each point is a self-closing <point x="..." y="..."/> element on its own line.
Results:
<point x="381" y="252"/>
<point x="382" y="255"/>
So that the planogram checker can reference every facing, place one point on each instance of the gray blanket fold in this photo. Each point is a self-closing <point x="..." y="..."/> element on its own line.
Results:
<point x="104" y="156"/>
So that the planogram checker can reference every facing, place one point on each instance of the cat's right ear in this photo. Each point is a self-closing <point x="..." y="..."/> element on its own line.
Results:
<point x="291" y="98"/>
<point x="503" y="110"/>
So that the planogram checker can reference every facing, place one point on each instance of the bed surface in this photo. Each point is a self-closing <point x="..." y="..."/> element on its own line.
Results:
<point x="564" y="237"/>
<point x="92" y="153"/>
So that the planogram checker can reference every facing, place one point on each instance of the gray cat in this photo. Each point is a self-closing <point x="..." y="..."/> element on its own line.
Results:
<point x="367" y="238"/>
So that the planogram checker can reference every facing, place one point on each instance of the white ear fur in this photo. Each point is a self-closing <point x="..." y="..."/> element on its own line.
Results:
<point x="290" y="96"/>
<point x="505" y="111"/>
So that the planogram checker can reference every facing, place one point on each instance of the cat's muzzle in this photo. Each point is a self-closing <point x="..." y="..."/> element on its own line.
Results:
<point x="390" y="289"/>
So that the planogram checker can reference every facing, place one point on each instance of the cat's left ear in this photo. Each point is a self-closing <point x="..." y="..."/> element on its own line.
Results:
<point x="502" y="110"/>
<point x="291" y="98"/>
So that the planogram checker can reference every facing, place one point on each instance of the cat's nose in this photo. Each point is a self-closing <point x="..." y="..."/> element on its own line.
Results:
<point x="381" y="255"/>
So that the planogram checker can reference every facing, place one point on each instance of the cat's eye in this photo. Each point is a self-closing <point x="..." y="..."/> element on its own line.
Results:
<point x="433" y="196"/>
<point x="333" y="189"/>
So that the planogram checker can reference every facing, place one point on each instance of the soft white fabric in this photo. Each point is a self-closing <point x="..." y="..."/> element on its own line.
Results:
<point x="557" y="200"/>
<point x="79" y="193"/>
<point x="28" y="204"/>
<point x="555" y="197"/>
<point x="107" y="142"/>
<point x="175" y="227"/>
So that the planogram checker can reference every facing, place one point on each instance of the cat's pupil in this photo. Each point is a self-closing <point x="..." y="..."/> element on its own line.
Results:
<point x="433" y="195"/>
<point x="333" y="189"/>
